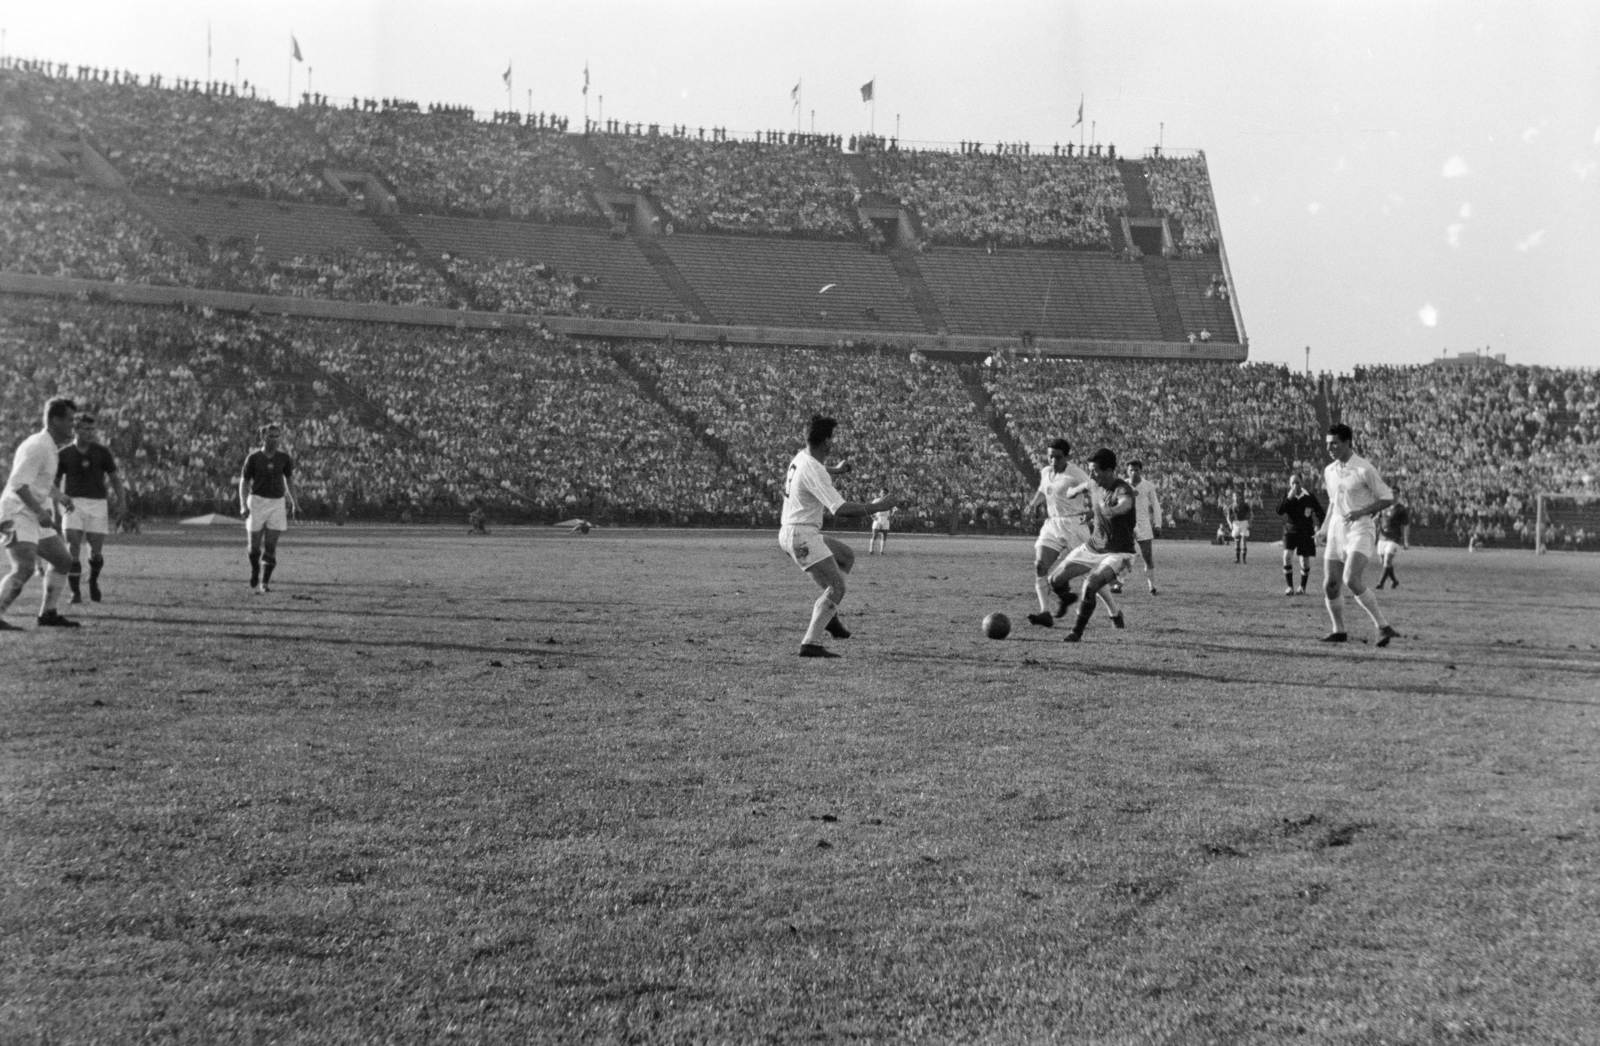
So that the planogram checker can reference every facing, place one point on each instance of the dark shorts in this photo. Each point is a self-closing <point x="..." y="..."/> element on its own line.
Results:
<point x="1301" y="544"/>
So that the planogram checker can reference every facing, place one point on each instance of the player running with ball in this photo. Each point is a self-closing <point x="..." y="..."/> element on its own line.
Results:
<point x="809" y="495"/>
<point x="1109" y="552"/>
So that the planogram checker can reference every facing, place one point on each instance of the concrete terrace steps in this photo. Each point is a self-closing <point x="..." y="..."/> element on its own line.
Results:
<point x="1054" y="294"/>
<point x="922" y="297"/>
<point x="629" y="285"/>
<point x="667" y="269"/>
<point x="1158" y="277"/>
<point x="780" y="283"/>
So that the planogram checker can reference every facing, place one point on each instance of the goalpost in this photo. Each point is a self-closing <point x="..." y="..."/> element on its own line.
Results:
<point x="1577" y="509"/>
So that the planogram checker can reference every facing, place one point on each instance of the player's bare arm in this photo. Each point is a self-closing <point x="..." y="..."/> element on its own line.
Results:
<point x="867" y="508"/>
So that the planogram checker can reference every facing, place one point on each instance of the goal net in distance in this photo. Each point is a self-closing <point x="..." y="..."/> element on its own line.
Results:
<point x="1567" y="519"/>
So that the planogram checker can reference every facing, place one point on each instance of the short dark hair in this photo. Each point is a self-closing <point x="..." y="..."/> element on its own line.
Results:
<point x="269" y="426"/>
<point x="1342" y="431"/>
<point x="1104" y="459"/>
<point x="1062" y="445"/>
<point x="820" y="430"/>
<point x="84" y="419"/>
<point x="1136" y="464"/>
<point x="58" y="406"/>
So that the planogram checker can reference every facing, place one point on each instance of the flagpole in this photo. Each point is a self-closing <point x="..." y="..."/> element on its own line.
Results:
<point x="288" y="93"/>
<point x="208" y="53"/>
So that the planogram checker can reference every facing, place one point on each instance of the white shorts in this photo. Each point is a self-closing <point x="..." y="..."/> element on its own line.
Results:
<point x="1388" y="548"/>
<point x="268" y="514"/>
<point x="1144" y="532"/>
<point x="90" y="515"/>
<point x="880" y="528"/>
<point x="1241" y="528"/>
<point x="804" y="545"/>
<point x="20" y="525"/>
<point x="1121" y="562"/>
<point x="1347" y="539"/>
<point x="1062" y="533"/>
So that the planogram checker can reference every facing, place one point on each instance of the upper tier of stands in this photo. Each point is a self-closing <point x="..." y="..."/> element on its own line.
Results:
<point x="163" y="137"/>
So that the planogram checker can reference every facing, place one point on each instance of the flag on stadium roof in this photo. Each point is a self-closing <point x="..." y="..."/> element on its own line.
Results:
<point x="585" y="77"/>
<point x="794" y="95"/>
<point x="294" y="47"/>
<point x="507" y="76"/>
<point x="1079" y="120"/>
<point x="866" y="90"/>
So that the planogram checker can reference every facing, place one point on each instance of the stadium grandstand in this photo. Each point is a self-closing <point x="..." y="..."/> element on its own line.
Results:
<point x="639" y="321"/>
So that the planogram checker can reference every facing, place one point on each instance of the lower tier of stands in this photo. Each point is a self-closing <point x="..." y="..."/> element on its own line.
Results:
<point x="387" y="419"/>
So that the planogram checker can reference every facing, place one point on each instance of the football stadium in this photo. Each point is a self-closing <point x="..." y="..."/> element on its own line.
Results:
<point x="506" y="739"/>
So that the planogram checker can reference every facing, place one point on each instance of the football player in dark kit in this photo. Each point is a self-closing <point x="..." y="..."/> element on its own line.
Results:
<point x="267" y="503"/>
<point x="1109" y="552"/>
<point x="87" y="473"/>
<point x="1302" y="516"/>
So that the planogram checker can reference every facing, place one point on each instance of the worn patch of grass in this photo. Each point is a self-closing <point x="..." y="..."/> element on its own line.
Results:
<point x="528" y="788"/>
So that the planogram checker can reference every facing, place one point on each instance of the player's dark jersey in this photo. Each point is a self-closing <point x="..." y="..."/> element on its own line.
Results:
<point x="267" y="472"/>
<point x="85" y="470"/>
<point x="1394" y="523"/>
<point x="1301" y="515"/>
<point x="1113" y="533"/>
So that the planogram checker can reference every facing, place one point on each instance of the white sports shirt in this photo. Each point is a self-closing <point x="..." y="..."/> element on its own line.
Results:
<point x="1353" y="486"/>
<point x="1147" y="505"/>
<point x="1054" y="485"/>
<point x="33" y="467"/>
<point x="808" y="492"/>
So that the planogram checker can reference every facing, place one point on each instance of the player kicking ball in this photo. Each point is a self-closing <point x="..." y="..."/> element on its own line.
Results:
<point x="808" y="496"/>
<point x="1107" y="555"/>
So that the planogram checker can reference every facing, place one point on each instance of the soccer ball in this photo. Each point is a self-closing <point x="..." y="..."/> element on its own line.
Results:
<point x="997" y="626"/>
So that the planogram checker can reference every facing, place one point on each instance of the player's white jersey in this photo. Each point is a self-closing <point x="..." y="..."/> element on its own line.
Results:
<point x="33" y="467"/>
<point x="1352" y="486"/>
<point x="1147" y="506"/>
<point x="1054" y="486"/>
<point x="808" y="492"/>
<point x="880" y="520"/>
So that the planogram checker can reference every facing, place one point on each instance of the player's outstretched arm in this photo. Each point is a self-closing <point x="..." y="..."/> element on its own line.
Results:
<point x="867" y="508"/>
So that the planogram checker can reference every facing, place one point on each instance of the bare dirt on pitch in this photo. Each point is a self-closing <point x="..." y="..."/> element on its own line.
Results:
<point x="534" y="787"/>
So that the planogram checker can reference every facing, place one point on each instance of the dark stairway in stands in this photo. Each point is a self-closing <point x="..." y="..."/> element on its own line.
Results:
<point x="1157" y="276"/>
<point x="606" y="180"/>
<point x="392" y="227"/>
<point x="922" y="299"/>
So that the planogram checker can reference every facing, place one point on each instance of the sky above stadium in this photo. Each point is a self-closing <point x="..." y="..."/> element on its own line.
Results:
<point x="1395" y="180"/>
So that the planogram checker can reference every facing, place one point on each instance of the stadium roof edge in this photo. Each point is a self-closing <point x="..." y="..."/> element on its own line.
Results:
<point x="579" y="326"/>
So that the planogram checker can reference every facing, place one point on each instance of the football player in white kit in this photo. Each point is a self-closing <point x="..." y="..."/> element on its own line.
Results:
<point x="1148" y="507"/>
<point x="1066" y="523"/>
<point x="1356" y="495"/>
<point x="880" y="529"/>
<point x="808" y="495"/>
<point x="27" y="516"/>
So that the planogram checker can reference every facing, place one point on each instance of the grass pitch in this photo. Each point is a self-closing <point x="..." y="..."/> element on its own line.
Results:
<point x="540" y="788"/>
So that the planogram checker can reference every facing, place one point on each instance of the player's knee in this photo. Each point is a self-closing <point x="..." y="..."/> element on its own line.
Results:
<point x="1330" y="587"/>
<point x="846" y="557"/>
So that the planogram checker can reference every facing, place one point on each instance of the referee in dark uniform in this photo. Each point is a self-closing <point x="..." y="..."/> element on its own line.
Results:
<point x="87" y="473"/>
<point x="1302" y="515"/>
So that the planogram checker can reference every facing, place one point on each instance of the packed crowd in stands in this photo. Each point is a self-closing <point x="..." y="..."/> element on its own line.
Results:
<point x="907" y="426"/>
<point x="1473" y="446"/>
<point x="1180" y="188"/>
<point x="213" y="138"/>
<point x="461" y="166"/>
<point x="739" y="187"/>
<point x="393" y="420"/>
<point x="1006" y="201"/>
<point x="50" y="227"/>
<point x="168" y="138"/>
<point x="1203" y="430"/>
